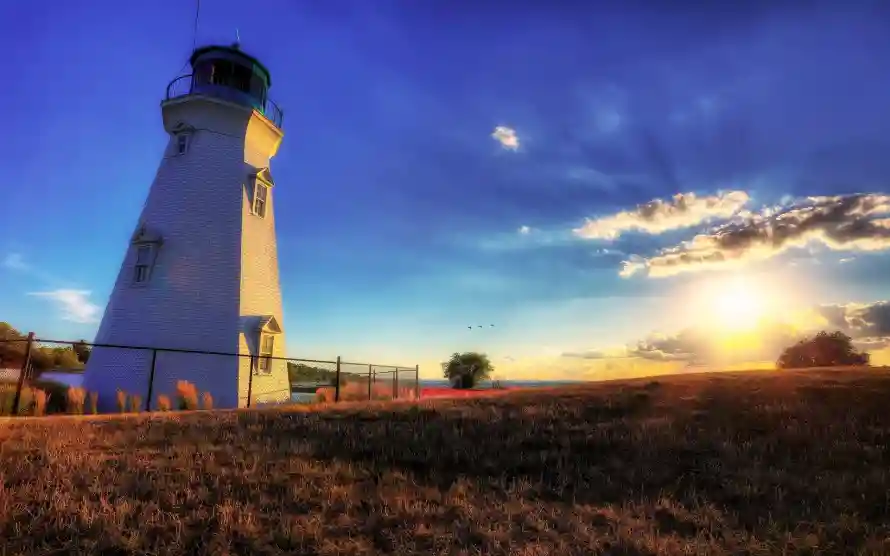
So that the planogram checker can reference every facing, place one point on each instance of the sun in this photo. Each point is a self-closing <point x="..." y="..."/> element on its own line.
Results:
<point x="735" y="306"/>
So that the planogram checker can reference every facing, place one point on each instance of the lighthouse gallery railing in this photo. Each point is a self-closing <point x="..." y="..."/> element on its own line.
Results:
<point x="184" y="85"/>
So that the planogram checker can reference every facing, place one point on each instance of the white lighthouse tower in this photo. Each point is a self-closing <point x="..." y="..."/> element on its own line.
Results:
<point x="200" y="270"/>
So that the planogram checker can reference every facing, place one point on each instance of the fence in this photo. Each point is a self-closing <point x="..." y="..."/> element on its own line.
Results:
<point x="143" y="378"/>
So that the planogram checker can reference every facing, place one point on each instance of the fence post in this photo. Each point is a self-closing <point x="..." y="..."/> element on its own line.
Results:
<point x="417" y="382"/>
<point x="337" y="382"/>
<point x="395" y="384"/>
<point x="250" y="380"/>
<point x="21" y="382"/>
<point x="151" y="379"/>
<point x="370" y="375"/>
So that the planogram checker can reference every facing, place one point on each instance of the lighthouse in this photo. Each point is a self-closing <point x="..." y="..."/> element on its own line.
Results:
<point x="200" y="268"/>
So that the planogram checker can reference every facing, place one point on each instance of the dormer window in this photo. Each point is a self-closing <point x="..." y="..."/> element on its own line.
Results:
<point x="262" y="183"/>
<point x="181" y="134"/>
<point x="143" y="264"/>
<point x="267" y="351"/>
<point x="145" y="246"/>
<point x="260" y="195"/>
<point x="182" y="142"/>
<point x="266" y="331"/>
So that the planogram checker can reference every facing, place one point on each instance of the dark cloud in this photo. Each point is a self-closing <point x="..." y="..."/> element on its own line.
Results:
<point x="688" y="345"/>
<point x="867" y="323"/>
<point x="843" y="222"/>
<point x="699" y="347"/>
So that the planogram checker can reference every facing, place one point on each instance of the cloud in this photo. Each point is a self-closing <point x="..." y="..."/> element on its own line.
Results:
<point x="590" y="354"/>
<point x="699" y="346"/>
<point x="687" y="345"/>
<point x="74" y="305"/>
<point x="867" y="323"/>
<point x="15" y="261"/>
<point x="524" y="230"/>
<point x="506" y="137"/>
<point x="842" y="222"/>
<point x="657" y="216"/>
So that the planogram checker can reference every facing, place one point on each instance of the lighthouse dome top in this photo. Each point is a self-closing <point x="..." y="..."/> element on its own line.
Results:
<point x="227" y="73"/>
<point x="210" y="53"/>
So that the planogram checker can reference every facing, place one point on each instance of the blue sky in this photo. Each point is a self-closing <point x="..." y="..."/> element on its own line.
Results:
<point x="509" y="163"/>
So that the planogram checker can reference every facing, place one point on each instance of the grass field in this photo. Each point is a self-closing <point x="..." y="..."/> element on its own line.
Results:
<point x="747" y="463"/>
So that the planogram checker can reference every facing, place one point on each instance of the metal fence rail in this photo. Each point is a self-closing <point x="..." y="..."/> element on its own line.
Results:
<point x="148" y="378"/>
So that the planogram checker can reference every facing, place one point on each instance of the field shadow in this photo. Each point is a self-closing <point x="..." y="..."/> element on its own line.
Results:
<point x="799" y="450"/>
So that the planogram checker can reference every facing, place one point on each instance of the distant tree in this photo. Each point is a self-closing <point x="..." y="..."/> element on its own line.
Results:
<point x="467" y="369"/>
<point x="825" y="349"/>
<point x="65" y="358"/>
<point x="300" y="372"/>
<point x="12" y="347"/>
<point x="12" y="353"/>
<point x="82" y="350"/>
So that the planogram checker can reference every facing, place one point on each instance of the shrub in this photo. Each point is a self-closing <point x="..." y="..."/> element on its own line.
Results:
<point x="207" y="400"/>
<point x="135" y="403"/>
<point x="187" y="395"/>
<point x="164" y="403"/>
<point x="121" y="401"/>
<point x="74" y="400"/>
<point x="94" y="403"/>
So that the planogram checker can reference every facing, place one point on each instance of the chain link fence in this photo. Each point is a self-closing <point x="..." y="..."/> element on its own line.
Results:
<point x="39" y="376"/>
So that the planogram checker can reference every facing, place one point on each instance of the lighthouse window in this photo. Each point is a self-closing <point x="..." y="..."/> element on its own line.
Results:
<point x="143" y="264"/>
<point x="260" y="194"/>
<point x="182" y="143"/>
<point x="267" y="349"/>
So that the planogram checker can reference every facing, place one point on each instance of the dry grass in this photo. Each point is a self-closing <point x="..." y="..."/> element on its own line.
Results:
<point x="186" y="395"/>
<point x="756" y="463"/>
<point x="358" y="391"/>
<point x="164" y="403"/>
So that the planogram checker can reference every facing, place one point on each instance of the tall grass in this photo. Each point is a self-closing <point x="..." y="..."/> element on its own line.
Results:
<point x="39" y="398"/>
<point x="74" y="400"/>
<point x="358" y="391"/>
<point x="94" y="403"/>
<point x="135" y="403"/>
<point x="164" y="403"/>
<point x="186" y="395"/>
<point x="121" y="401"/>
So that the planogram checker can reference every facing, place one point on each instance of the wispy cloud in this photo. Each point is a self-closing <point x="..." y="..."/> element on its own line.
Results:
<point x="524" y="230"/>
<point x="684" y="210"/>
<point x="74" y="305"/>
<point x="842" y="222"/>
<point x="15" y="261"/>
<point x="506" y="136"/>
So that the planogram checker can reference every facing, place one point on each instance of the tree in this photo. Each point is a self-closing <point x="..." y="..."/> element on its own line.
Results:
<point x="12" y="353"/>
<point x="467" y="369"/>
<point x="12" y="347"/>
<point x="825" y="349"/>
<point x="82" y="350"/>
